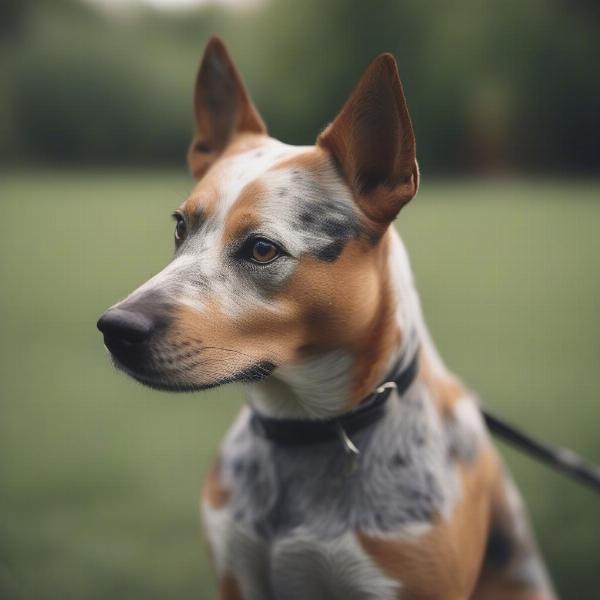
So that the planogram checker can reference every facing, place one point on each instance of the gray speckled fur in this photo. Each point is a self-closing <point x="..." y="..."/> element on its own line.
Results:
<point x="403" y="478"/>
<point x="318" y="212"/>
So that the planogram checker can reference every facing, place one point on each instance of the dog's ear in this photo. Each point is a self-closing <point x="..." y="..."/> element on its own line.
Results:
<point x="373" y="143"/>
<point x="222" y="107"/>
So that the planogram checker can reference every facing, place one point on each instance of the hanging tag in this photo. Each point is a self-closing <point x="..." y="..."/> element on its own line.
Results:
<point x="388" y="385"/>
<point x="351" y="451"/>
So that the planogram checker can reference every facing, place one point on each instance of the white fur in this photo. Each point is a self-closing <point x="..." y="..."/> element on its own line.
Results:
<point x="315" y="388"/>
<point x="239" y="553"/>
<point x="164" y="280"/>
<point x="467" y="413"/>
<point x="305" y="567"/>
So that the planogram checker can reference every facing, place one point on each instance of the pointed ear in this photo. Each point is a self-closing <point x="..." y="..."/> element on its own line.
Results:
<point x="222" y="107"/>
<point x="373" y="143"/>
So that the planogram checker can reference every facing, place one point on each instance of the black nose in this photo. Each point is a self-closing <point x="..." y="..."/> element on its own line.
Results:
<point x="120" y="325"/>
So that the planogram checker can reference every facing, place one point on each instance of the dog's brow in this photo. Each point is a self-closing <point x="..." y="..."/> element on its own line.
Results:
<point x="195" y="215"/>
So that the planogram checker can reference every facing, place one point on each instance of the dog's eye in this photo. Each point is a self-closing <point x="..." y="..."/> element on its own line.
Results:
<point x="180" y="227"/>
<point x="263" y="251"/>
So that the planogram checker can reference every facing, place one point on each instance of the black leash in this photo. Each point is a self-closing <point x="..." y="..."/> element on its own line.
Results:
<point x="562" y="459"/>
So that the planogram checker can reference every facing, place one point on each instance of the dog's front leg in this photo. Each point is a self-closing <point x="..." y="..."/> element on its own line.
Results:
<point x="240" y="557"/>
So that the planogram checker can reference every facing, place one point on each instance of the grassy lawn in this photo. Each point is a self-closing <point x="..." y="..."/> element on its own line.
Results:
<point x="99" y="477"/>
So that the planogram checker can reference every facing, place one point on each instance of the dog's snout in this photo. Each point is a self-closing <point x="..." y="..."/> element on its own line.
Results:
<point x="119" y="325"/>
<point x="131" y="329"/>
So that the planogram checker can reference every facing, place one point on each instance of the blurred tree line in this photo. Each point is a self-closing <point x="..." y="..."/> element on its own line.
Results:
<point x="493" y="85"/>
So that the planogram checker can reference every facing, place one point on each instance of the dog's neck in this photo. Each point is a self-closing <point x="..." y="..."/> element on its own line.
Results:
<point x="324" y="386"/>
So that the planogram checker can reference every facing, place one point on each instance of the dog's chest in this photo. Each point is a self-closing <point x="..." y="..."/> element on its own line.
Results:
<point x="291" y="527"/>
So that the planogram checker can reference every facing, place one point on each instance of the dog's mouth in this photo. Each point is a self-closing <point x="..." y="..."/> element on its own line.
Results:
<point x="178" y="380"/>
<point x="153" y="379"/>
<point x="142" y="346"/>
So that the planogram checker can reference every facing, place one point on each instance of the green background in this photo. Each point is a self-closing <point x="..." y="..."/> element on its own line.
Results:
<point x="100" y="477"/>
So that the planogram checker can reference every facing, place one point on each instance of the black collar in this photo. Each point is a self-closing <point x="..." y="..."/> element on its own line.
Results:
<point x="297" y="432"/>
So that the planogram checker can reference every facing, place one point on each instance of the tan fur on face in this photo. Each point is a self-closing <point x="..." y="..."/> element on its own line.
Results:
<point x="379" y="340"/>
<point x="224" y="345"/>
<point x="243" y="217"/>
<point x="337" y="299"/>
<point x="347" y="304"/>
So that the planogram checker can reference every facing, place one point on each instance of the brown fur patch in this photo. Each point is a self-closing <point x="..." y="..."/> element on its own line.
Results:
<point x="314" y="159"/>
<point x="337" y="301"/>
<point x="201" y="204"/>
<point x="229" y="589"/>
<point x="509" y="592"/>
<point x="382" y="335"/>
<point x="243" y="215"/>
<point x="224" y="345"/>
<point x="444" y="562"/>
<point x="214" y="493"/>
<point x="496" y="580"/>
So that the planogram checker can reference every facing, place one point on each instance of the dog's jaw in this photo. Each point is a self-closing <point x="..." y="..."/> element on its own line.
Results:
<point x="158" y="381"/>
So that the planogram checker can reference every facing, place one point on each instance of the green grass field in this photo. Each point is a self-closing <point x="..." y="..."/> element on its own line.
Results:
<point x="99" y="477"/>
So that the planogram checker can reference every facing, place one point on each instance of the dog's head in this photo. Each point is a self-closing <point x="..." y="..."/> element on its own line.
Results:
<point x="280" y="251"/>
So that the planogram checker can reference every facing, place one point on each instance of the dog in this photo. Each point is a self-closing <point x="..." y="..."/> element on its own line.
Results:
<point x="360" y="467"/>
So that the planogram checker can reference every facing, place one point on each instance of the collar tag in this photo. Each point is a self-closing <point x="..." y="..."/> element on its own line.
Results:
<point x="352" y="452"/>
<point x="388" y="385"/>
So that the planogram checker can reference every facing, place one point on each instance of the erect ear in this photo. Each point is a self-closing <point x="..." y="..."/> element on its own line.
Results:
<point x="372" y="141"/>
<point x="222" y="107"/>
